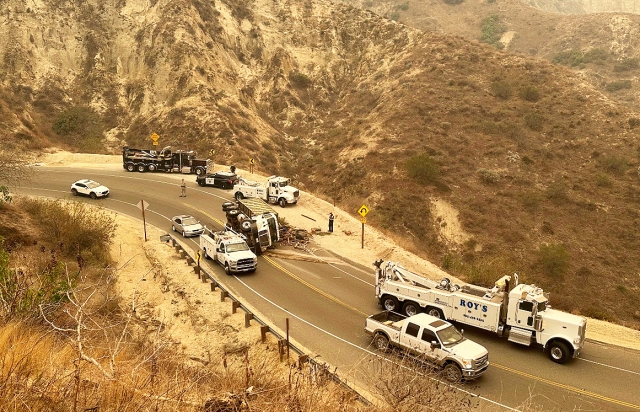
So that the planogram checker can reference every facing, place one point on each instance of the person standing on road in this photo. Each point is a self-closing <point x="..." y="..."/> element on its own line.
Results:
<point x="331" y="218"/>
<point x="183" y="186"/>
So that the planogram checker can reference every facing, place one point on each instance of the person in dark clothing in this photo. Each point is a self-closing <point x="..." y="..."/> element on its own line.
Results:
<point x="331" y="218"/>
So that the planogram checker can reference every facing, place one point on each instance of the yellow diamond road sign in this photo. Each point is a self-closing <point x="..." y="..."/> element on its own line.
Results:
<point x="363" y="210"/>
<point x="154" y="137"/>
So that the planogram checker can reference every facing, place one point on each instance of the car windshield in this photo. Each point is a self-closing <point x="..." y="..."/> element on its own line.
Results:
<point x="449" y="336"/>
<point x="188" y="221"/>
<point x="93" y="185"/>
<point x="237" y="247"/>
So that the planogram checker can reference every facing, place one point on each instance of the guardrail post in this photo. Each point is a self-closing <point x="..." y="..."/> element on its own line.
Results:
<point x="173" y="242"/>
<point x="247" y="319"/>
<point x="302" y="359"/>
<point x="204" y="277"/>
<point x="196" y="269"/>
<point x="264" y="329"/>
<point x="213" y="285"/>
<point x="223" y="295"/>
<point x="234" y="306"/>
<point x="190" y="260"/>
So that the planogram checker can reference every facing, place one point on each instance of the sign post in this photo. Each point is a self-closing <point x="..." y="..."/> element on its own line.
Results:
<point x="142" y="205"/>
<point x="363" y="219"/>
<point x="251" y="162"/>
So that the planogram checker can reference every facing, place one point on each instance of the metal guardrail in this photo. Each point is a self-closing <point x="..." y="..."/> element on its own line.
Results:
<point x="265" y="328"/>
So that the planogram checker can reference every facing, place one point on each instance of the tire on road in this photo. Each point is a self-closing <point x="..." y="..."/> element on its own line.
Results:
<point x="152" y="167"/>
<point x="202" y="182"/>
<point x="452" y="372"/>
<point x="558" y="352"/>
<point x="381" y="342"/>
<point x="390" y="303"/>
<point x="130" y="167"/>
<point x="92" y="195"/>
<point x="434" y="312"/>
<point x="410" y="308"/>
<point x="238" y="196"/>
<point x="282" y="202"/>
<point x="74" y="192"/>
<point x="141" y="168"/>
<point x="227" y="269"/>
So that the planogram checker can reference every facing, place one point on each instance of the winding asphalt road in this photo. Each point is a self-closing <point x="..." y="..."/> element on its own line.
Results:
<point x="327" y="303"/>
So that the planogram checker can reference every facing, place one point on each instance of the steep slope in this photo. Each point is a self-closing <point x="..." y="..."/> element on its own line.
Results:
<point x="540" y="166"/>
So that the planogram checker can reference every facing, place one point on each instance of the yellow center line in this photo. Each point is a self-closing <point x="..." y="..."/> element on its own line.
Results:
<point x="310" y="286"/>
<point x="567" y="387"/>
<point x="218" y="221"/>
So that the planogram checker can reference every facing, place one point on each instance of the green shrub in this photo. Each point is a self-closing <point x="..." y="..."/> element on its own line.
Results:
<point x="489" y="176"/>
<point x="534" y="121"/>
<point x="76" y="227"/>
<point x="530" y="93"/>
<point x="553" y="259"/>
<point x="492" y="29"/>
<point x="423" y="169"/>
<point x="530" y="200"/>
<point x="80" y="127"/>
<point x="557" y="192"/>
<point x="596" y="56"/>
<point x="571" y="58"/>
<point x="501" y="89"/>
<point x="627" y="65"/>
<point x="603" y="180"/>
<point x="395" y="16"/>
<point x="453" y="2"/>
<point x="616" y="165"/>
<point x="617" y="85"/>
<point x="299" y="80"/>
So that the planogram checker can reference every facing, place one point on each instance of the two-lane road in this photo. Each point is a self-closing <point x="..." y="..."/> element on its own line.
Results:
<point x="326" y="305"/>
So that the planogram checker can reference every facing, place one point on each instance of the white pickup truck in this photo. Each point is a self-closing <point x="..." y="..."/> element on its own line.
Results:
<point x="230" y="250"/>
<point x="428" y="338"/>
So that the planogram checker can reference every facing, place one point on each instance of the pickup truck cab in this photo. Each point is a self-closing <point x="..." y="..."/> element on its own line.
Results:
<point x="431" y="339"/>
<point x="230" y="250"/>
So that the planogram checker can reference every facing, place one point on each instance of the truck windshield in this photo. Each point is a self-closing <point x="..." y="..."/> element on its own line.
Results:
<point x="542" y="306"/>
<point x="237" y="247"/>
<point x="449" y="336"/>
<point x="283" y="183"/>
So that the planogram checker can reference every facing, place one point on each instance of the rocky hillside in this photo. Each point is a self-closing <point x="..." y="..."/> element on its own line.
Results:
<point x="601" y="47"/>
<point x="540" y="165"/>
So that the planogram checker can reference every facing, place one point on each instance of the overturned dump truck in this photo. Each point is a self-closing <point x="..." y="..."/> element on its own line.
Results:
<point x="256" y="220"/>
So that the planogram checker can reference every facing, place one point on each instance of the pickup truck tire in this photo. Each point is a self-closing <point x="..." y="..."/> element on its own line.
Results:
<point x="410" y="308"/>
<point x="152" y="167"/>
<point x="282" y="202"/>
<point x="238" y="196"/>
<point x="452" y="372"/>
<point x="381" y="342"/>
<point x="435" y="312"/>
<point x="390" y="303"/>
<point x="173" y="228"/>
<point x="227" y="269"/>
<point x="558" y="352"/>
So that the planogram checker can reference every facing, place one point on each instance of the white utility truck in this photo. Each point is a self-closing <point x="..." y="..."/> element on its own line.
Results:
<point x="229" y="249"/>
<point x="277" y="189"/>
<point x="431" y="339"/>
<point x="518" y="311"/>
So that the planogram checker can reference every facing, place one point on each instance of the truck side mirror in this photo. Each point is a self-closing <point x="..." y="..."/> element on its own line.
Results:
<point x="434" y="345"/>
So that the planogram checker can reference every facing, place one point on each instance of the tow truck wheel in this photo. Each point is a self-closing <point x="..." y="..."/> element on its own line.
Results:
<point x="435" y="312"/>
<point x="141" y="168"/>
<point x="239" y="196"/>
<point x="390" y="303"/>
<point x="381" y="342"/>
<point x="152" y="167"/>
<point x="227" y="269"/>
<point x="131" y="167"/>
<point x="558" y="352"/>
<point x="452" y="372"/>
<point x="282" y="202"/>
<point x="410" y="308"/>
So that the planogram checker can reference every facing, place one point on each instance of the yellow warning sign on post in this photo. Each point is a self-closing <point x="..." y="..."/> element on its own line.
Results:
<point x="363" y="210"/>
<point x="154" y="137"/>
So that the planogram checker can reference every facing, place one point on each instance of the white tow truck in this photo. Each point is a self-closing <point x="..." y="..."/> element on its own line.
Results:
<point x="428" y="338"/>
<point x="229" y="249"/>
<point x="277" y="189"/>
<point x="519" y="312"/>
